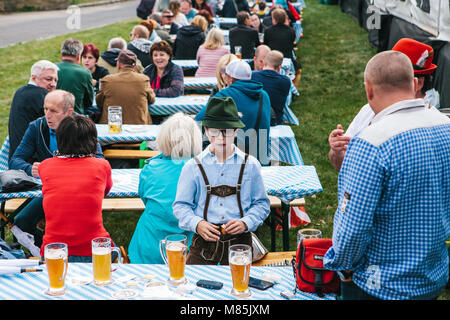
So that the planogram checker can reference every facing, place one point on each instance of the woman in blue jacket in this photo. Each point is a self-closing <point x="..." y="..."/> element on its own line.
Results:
<point x="179" y="140"/>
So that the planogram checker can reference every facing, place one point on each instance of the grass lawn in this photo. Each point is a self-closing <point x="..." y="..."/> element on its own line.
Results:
<point x="333" y="54"/>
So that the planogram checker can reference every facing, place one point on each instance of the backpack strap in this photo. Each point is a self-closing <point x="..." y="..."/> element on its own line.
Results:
<point x="208" y="189"/>
<point x="239" y="183"/>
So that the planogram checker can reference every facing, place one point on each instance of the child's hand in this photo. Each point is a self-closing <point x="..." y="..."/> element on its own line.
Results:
<point x="208" y="231"/>
<point x="235" y="227"/>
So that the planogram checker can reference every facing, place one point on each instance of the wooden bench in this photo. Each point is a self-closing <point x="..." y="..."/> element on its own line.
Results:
<point x="129" y="154"/>
<point x="136" y="204"/>
<point x="274" y="259"/>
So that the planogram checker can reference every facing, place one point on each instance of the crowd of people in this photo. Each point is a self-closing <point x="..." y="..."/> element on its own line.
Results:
<point x="393" y="193"/>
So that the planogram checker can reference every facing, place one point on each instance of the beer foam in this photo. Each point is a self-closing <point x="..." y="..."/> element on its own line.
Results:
<point x="240" y="260"/>
<point x="101" y="251"/>
<point x="175" y="246"/>
<point x="55" y="254"/>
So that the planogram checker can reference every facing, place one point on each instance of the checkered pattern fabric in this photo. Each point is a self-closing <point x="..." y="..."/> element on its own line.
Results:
<point x="393" y="215"/>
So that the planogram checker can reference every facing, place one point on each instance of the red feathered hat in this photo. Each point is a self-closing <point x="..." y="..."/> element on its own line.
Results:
<point x="420" y="54"/>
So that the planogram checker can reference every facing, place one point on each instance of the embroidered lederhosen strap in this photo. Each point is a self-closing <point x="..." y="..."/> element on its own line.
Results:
<point x="222" y="190"/>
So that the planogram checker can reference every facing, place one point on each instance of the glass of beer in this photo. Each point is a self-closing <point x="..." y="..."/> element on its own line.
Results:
<point x="101" y="260"/>
<point x="238" y="51"/>
<point x="174" y="251"/>
<point x="55" y="255"/>
<point x="115" y="119"/>
<point x="240" y="260"/>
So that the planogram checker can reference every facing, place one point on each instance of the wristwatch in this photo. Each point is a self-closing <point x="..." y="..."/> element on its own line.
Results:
<point x="345" y="275"/>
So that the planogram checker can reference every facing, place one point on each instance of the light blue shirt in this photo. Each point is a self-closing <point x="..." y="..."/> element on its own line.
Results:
<point x="191" y="192"/>
<point x="53" y="143"/>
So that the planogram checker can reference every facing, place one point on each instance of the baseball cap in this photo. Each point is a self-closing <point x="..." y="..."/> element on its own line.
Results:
<point x="239" y="69"/>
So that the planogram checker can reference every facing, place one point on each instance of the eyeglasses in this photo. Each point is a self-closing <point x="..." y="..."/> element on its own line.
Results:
<point x="213" y="132"/>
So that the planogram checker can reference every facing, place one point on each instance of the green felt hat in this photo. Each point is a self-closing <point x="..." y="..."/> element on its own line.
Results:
<point x="222" y="113"/>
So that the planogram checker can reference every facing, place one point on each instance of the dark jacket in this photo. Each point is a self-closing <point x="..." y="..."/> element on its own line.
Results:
<point x="172" y="80"/>
<point x="144" y="8"/>
<point x="246" y="37"/>
<point x="141" y="47"/>
<point x="35" y="147"/>
<point x="278" y="87"/>
<point x="99" y="73"/>
<point x="280" y="37"/>
<point x="229" y="8"/>
<point x="189" y="39"/>
<point x="27" y="105"/>
<point x="111" y="56"/>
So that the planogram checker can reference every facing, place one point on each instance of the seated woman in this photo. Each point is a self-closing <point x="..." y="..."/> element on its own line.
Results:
<point x="223" y="80"/>
<point x="89" y="59"/>
<point x="179" y="139"/>
<point x="151" y="25"/>
<point x="209" y="54"/>
<point x="166" y="78"/>
<point x="74" y="184"/>
<point x="179" y="17"/>
<point x="202" y="5"/>
<point x="190" y="37"/>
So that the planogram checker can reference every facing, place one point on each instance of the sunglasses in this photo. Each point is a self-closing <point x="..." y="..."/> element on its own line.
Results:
<point x="213" y="132"/>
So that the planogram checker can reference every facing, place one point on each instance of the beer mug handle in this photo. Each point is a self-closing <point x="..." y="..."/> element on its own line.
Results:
<point x="119" y="259"/>
<point x="63" y="276"/>
<point x="162" y="251"/>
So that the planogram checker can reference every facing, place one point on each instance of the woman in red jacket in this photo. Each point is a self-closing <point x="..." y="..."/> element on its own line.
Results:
<point x="74" y="184"/>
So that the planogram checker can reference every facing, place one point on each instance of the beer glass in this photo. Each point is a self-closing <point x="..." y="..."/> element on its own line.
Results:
<point x="240" y="260"/>
<point x="115" y="119"/>
<point x="101" y="260"/>
<point x="308" y="234"/>
<point x="55" y="255"/>
<point x="173" y="250"/>
<point x="238" y="51"/>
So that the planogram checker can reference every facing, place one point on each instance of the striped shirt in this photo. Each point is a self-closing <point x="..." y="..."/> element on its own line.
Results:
<point x="393" y="214"/>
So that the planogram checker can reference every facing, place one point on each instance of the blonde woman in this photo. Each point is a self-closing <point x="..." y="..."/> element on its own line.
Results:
<point x="179" y="139"/>
<point x="223" y="80"/>
<point x="209" y="53"/>
<point x="190" y="37"/>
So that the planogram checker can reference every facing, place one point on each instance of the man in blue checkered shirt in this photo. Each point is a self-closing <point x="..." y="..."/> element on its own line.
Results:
<point x="393" y="214"/>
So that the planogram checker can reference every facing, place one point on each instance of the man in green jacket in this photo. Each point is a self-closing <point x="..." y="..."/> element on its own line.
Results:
<point x="73" y="77"/>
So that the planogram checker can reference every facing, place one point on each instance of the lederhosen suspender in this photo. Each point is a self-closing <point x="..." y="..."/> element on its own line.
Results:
<point x="222" y="190"/>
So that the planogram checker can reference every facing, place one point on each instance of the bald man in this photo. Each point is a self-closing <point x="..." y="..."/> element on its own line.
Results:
<point x="393" y="216"/>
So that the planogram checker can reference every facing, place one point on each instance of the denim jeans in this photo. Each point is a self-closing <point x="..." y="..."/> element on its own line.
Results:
<point x="28" y="218"/>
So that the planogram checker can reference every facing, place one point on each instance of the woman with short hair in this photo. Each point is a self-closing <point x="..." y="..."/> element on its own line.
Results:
<point x="89" y="60"/>
<point x="166" y="78"/>
<point x="209" y="53"/>
<point x="179" y="140"/>
<point x="74" y="183"/>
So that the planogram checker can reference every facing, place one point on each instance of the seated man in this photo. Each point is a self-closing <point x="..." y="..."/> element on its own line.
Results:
<point x="28" y="101"/>
<point x="258" y="60"/>
<point x="254" y="105"/>
<point x="140" y="44"/>
<point x="244" y="36"/>
<point x="39" y="143"/>
<point x="231" y="8"/>
<point x="167" y="22"/>
<point x="187" y="10"/>
<point x="278" y="86"/>
<point x="73" y="77"/>
<point x="218" y="220"/>
<point x="128" y="89"/>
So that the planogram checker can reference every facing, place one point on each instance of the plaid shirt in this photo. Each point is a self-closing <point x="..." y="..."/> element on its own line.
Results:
<point x="393" y="214"/>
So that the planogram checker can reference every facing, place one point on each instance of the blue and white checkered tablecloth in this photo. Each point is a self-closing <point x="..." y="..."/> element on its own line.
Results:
<point x="282" y="144"/>
<point x="284" y="182"/>
<point x="31" y="286"/>
<point x="193" y="104"/>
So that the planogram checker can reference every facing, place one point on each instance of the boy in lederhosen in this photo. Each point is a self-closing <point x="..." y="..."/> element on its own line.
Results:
<point x="220" y="195"/>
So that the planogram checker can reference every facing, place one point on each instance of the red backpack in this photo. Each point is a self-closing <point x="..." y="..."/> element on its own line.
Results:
<point x="310" y="274"/>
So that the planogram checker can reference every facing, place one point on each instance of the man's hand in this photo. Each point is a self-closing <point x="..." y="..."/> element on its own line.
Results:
<point x="34" y="169"/>
<point x="208" y="231"/>
<point x="338" y="142"/>
<point x="235" y="227"/>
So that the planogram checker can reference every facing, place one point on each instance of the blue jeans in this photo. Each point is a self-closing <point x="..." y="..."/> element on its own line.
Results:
<point x="28" y="218"/>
